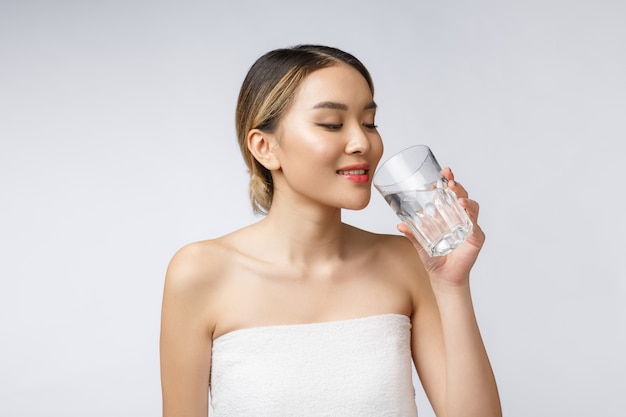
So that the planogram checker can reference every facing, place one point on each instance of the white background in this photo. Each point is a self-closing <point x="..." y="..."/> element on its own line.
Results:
<point x="117" y="147"/>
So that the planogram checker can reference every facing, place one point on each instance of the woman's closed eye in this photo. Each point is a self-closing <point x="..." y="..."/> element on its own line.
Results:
<point x="330" y="126"/>
<point x="334" y="127"/>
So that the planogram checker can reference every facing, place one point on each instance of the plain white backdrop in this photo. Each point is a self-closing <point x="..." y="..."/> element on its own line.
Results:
<point x="117" y="147"/>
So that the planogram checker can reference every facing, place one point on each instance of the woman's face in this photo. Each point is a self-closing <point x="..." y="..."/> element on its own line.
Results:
<point x="327" y="142"/>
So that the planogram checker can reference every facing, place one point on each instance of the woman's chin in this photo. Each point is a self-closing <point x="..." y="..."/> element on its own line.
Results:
<point x="357" y="204"/>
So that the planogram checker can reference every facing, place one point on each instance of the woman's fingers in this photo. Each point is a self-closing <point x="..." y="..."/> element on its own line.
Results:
<point x="471" y="207"/>
<point x="447" y="173"/>
<point x="454" y="186"/>
<point x="458" y="189"/>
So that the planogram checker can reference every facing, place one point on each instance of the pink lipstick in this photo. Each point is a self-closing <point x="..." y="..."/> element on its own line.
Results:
<point x="358" y="173"/>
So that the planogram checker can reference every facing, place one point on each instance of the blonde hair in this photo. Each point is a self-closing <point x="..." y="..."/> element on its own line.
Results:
<point x="265" y="95"/>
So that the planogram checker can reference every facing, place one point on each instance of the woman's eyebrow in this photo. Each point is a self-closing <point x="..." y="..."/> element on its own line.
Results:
<point x="330" y="105"/>
<point x="340" y="106"/>
<point x="370" y="106"/>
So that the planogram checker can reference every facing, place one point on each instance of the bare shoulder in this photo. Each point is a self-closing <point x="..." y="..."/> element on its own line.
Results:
<point x="188" y="317"/>
<point x="395" y="257"/>
<point x="195" y="279"/>
<point x="196" y="265"/>
<point x="393" y="248"/>
<point x="198" y="270"/>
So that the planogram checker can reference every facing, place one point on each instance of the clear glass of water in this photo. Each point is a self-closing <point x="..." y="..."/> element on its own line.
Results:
<point x="412" y="184"/>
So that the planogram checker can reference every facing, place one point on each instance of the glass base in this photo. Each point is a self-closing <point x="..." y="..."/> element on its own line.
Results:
<point x="450" y="241"/>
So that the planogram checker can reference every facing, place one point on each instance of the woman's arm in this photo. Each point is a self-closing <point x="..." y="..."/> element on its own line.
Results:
<point x="450" y="356"/>
<point x="448" y="350"/>
<point x="186" y="336"/>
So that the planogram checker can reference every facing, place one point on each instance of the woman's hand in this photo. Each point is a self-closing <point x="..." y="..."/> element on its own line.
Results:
<point x="454" y="267"/>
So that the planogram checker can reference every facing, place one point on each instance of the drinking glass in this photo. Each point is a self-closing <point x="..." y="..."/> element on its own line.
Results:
<point x="412" y="184"/>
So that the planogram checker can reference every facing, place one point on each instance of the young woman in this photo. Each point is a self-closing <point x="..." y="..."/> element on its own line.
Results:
<point x="301" y="314"/>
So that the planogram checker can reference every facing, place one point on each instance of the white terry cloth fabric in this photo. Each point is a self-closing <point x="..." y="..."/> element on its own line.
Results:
<point x="359" y="367"/>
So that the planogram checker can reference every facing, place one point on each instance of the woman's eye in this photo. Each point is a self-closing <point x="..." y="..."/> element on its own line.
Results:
<point x="371" y="126"/>
<point x="329" y="126"/>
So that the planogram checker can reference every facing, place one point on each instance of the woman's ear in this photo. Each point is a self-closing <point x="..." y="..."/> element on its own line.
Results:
<point x="261" y="145"/>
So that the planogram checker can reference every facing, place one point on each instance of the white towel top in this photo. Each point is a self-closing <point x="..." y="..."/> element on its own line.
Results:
<point x="359" y="367"/>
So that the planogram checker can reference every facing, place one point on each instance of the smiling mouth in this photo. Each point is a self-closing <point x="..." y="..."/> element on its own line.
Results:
<point x="353" y="172"/>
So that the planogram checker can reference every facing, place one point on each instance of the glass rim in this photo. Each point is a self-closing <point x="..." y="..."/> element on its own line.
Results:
<point x="395" y="156"/>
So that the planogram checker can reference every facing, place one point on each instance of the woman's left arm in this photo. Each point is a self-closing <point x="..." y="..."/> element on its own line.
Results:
<point x="447" y="335"/>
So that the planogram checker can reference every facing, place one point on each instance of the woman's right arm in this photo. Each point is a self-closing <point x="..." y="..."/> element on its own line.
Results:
<point x="186" y="334"/>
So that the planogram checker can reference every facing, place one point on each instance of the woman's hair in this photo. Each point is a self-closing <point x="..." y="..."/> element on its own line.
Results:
<point x="265" y="95"/>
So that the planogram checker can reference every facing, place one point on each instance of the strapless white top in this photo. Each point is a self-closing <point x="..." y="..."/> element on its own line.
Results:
<point x="360" y="367"/>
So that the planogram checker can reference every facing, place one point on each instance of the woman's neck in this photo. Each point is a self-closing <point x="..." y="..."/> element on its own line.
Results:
<point x="305" y="234"/>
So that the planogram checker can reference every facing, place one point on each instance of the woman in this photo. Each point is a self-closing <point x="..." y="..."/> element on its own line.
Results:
<point x="303" y="315"/>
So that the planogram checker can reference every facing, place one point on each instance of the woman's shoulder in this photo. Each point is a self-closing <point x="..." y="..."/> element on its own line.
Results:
<point x="388" y="244"/>
<point x="393" y="253"/>
<point x="202" y="263"/>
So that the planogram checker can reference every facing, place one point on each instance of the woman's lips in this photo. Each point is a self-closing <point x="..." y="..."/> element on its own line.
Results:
<point x="352" y="172"/>
<point x="355" y="174"/>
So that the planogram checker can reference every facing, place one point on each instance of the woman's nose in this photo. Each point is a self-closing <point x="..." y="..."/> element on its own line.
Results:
<point x="359" y="141"/>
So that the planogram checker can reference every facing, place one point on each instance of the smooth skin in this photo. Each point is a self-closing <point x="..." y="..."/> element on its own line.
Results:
<point x="301" y="264"/>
